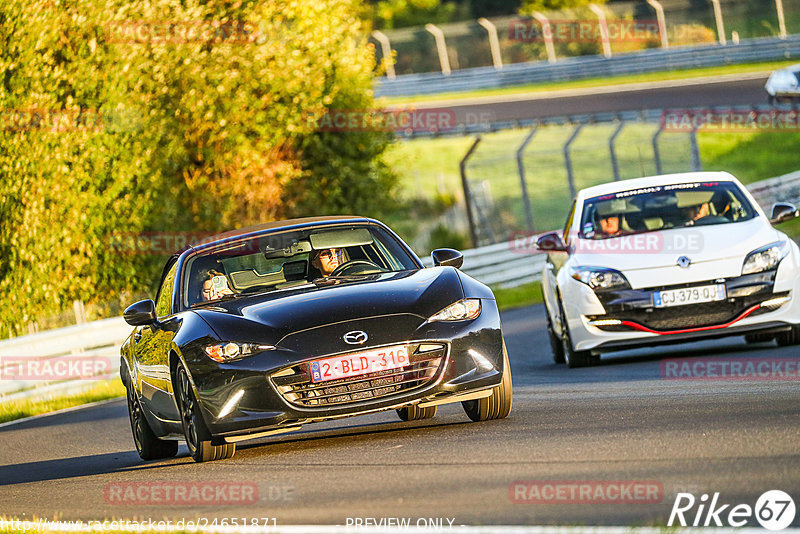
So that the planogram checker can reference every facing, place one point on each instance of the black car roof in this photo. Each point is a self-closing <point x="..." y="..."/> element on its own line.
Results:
<point x="210" y="242"/>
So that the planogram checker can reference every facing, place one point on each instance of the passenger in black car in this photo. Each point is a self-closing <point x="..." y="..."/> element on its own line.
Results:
<point x="215" y="285"/>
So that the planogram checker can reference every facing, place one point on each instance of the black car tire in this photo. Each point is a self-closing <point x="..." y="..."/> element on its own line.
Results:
<point x="194" y="428"/>
<point x="498" y="404"/>
<point x="415" y="413"/>
<point x="147" y="444"/>
<point x="575" y="358"/>
<point x="555" y="341"/>
<point x="791" y="337"/>
<point x="758" y="338"/>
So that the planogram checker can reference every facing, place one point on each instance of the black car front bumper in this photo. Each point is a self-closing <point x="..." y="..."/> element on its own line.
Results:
<point x="278" y="393"/>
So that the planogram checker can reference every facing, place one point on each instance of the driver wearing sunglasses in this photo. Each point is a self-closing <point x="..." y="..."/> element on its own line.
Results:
<point x="327" y="260"/>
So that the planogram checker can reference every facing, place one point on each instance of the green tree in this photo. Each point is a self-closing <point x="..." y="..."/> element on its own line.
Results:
<point x="122" y="118"/>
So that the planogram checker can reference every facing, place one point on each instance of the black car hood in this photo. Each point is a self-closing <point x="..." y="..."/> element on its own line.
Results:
<point x="418" y="293"/>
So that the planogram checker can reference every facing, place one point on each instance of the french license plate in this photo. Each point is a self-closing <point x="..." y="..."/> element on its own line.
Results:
<point x="359" y="363"/>
<point x="688" y="295"/>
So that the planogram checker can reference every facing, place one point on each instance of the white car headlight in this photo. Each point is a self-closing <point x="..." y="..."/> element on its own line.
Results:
<point x="226" y="352"/>
<point x="600" y="277"/>
<point x="765" y="258"/>
<point x="458" y="311"/>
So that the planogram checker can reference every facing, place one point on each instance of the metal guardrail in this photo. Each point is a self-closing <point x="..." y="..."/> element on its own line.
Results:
<point x="655" y="60"/>
<point x="41" y="362"/>
<point x="508" y="264"/>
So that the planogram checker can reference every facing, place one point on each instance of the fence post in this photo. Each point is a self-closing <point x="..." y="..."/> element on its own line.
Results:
<point x="662" y="22"/>
<point x="386" y="50"/>
<point x="568" y="160"/>
<point x="462" y="165"/>
<point x="720" y="24"/>
<point x="547" y="32"/>
<point x="656" y="153"/>
<point x="697" y="165"/>
<point x="441" y="46"/>
<point x="494" y="42"/>
<point x="781" y="19"/>
<point x="612" y="150"/>
<point x="80" y="313"/>
<point x="521" y="169"/>
<point x="601" y="18"/>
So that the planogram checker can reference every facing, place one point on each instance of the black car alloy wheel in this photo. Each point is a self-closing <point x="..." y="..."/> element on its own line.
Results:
<point x="194" y="429"/>
<point x="147" y="444"/>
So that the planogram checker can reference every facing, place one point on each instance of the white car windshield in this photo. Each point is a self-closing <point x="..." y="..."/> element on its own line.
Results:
<point x="656" y="208"/>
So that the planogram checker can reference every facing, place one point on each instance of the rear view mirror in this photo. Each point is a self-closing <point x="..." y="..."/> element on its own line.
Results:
<point x="782" y="212"/>
<point x="551" y="242"/>
<point x="447" y="256"/>
<point x="352" y="237"/>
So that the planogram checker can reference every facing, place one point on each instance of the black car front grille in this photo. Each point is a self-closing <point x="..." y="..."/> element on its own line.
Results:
<point x="295" y="385"/>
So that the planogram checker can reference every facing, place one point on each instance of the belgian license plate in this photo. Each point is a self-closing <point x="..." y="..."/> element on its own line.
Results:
<point x="688" y="295"/>
<point x="360" y="363"/>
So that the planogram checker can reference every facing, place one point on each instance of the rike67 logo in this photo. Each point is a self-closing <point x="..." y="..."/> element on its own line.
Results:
<point x="774" y="510"/>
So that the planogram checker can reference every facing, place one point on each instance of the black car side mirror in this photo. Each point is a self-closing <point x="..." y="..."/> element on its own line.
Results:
<point x="551" y="242"/>
<point x="447" y="257"/>
<point x="782" y="212"/>
<point x="141" y="313"/>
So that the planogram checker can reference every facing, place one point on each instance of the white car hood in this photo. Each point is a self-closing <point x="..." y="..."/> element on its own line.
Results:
<point x="650" y="259"/>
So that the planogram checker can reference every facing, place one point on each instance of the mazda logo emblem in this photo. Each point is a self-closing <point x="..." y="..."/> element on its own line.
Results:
<point x="684" y="262"/>
<point x="356" y="337"/>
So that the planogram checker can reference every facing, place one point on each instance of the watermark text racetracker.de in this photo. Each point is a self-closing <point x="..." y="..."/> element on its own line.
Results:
<point x="642" y="243"/>
<point x="729" y="120"/>
<point x="583" y="31"/>
<point x="169" y="31"/>
<point x="586" y="492"/>
<point x="206" y="493"/>
<point x="724" y="368"/>
<point x="54" y="368"/>
<point x="383" y="120"/>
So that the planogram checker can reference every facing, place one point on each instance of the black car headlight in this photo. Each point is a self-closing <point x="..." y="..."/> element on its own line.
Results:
<point x="229" y="351"/>
<point x="765" y="258"/>
<point x="600" y="278"/>
<point x="458" y="311"/>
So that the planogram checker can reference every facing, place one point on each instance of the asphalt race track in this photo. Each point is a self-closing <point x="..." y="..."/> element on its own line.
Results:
<point x="619" y="421"/>
<point x="673" y="95"/>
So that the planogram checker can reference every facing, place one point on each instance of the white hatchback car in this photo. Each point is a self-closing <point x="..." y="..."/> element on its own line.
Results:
<point x="783" y="84"/>
<point x="668" y="259"/>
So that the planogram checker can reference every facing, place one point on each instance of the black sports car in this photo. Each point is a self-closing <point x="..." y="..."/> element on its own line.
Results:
<point x="262" y="330"/>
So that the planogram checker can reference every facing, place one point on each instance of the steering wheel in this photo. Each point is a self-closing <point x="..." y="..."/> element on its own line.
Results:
<point x="354" y="265"/>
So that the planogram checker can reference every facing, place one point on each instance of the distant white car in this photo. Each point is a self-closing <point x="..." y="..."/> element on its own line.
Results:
<point x="668" y="259"/>
<point x="783" y="84"/>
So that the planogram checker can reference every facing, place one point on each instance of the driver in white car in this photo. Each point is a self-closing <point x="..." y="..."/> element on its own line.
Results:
<point x="327" y="260"/>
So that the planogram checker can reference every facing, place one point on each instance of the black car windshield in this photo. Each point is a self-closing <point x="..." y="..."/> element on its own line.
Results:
<point x="287" y="260"/>
<point x="656" y="208"/>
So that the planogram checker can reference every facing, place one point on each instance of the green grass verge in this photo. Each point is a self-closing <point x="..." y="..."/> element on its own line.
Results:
<point x="592" y="83"/>
<point x="107" y="389"/>
<point x="517" y="297"/>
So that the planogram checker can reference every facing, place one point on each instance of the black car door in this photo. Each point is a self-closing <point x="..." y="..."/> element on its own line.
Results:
<point x="151" y="346"/>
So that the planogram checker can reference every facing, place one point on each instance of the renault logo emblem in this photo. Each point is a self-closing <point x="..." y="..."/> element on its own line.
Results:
<point x="356" y="337"/>
<point x="684" y="262"/>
